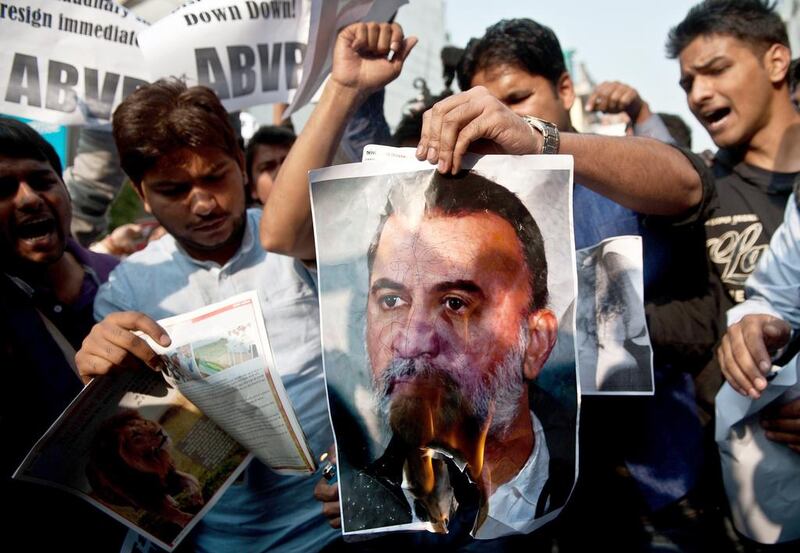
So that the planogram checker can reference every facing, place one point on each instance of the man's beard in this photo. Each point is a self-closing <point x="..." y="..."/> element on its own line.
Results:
<point x="462" y="397"/>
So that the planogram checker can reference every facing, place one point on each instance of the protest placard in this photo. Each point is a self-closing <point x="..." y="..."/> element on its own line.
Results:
<point x="68" y="63"/>
<point x="447" y="308"/>
<point x="249" y="52"/>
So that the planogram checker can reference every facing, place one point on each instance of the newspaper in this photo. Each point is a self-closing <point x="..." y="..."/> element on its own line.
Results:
<point x="220" y="358"/>
<point x="760" y="475"/>
<point x="614" y="352"/>
<point x="157" y="450"/>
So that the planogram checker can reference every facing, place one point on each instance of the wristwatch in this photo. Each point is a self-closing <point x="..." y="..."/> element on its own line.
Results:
<point x="549" y="132"/>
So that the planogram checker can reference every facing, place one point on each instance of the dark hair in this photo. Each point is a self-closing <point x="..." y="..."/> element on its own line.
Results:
<point x="164" y="116"/>
<point x="470" y="192"/>
<point x="19" y="141"/>
<point x="794" y="75"/>
<point x="409" y="129"/>
<point x="751" y="21"/>
<point x="267" y="135"/>
<point x="678" y="129"/>
<point x="519" y="42"/>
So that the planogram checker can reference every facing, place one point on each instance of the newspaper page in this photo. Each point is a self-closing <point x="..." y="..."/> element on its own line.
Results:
<point x="136" y="448"/>
<point x="155" y="450"/>
<point x="760" y="475"/>
<point x="438" y="338"/>
<point x="68" y="63"/>
<point x="614" y="352"/>
<point x="220" y="358"/>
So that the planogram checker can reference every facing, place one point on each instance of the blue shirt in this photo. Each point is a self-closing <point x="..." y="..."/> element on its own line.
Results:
<point x="266" y="511"/>
<point x="661" y="450"/>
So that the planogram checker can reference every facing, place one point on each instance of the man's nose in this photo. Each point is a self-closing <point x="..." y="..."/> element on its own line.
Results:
<point x="27" y="198"/>
<point x="419" y="337"/>
<point x="203" y="202"/>
<point x="700" y="92"/>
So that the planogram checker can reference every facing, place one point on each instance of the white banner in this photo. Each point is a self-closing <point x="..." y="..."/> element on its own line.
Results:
<point x="249" y="52"/>
<point x="68" y="62"/>
<point x="327" y="18"/>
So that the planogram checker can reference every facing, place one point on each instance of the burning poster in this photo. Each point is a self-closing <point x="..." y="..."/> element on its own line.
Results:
<point x="448" y="321"/>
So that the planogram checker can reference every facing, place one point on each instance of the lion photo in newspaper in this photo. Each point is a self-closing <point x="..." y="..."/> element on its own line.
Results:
<point x="131" y="464"/>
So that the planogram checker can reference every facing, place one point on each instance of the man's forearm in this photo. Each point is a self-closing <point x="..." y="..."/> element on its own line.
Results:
<point x="286" y="226"/>
<point x="639" y="173"/>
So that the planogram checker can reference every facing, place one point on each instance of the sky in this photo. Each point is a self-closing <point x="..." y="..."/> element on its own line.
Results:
<point x="618" y="40"/>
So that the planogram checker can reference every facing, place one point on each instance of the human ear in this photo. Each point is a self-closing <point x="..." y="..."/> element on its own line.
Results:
<point x="777" y="60"/>
<point x="139" y="189"/>
<point x="542" y="333"/>
<point x="565" y="90"/>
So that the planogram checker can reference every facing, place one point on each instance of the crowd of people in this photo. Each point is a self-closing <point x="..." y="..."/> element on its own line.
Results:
<point x="721" y="239"/>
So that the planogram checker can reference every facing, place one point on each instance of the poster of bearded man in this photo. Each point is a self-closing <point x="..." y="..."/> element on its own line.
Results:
<point x="447" y="306"/>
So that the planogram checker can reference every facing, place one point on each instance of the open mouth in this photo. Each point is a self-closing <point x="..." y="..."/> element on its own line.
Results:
<point x="713" y="118"/>
<point x="36" y="230"/>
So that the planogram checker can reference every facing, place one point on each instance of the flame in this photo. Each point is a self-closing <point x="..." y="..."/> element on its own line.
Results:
<point x="421" y="417"/>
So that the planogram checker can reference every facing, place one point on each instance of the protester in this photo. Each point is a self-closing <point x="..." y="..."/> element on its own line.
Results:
<point x="520" y="63"/>
<point x="46" y="292"/>
<point x="734" y="59"/>
<point x="761" y="453"/>
<point x="616" y="97"/>
<point x="663" y="181"/>
<point x="762" y="325"/>
<point x="265" y="153"/>
<point x="189" y="171"/>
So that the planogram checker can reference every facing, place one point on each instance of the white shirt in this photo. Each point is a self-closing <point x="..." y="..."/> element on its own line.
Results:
<point x="512" y="506"/>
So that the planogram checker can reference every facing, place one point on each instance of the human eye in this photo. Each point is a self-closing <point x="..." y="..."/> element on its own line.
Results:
<point x="8" y="187"/>
<point x="172" y="190"/>
<point x="389" y="302"/>
<point x="518" y="97"/>
<point x="455" y="304"/>
<point x="42" y="182"/>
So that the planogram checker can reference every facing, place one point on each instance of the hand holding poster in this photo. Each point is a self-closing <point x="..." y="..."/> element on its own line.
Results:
<point x="447" y="309"/>
<point x="68" y="63"/>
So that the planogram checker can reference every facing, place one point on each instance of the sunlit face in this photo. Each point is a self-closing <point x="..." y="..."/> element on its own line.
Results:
<point x="450" y="294"/>
<point x="198" y="196"/>
<point x="529" y="94"/>
<point x="728" y="88"/>
<point x="34" y="212"/>
<point x="267" y="161"/>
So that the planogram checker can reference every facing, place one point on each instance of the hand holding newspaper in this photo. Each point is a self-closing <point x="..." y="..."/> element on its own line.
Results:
<point x="221" y="360"/>
<point x="156" y="451"/>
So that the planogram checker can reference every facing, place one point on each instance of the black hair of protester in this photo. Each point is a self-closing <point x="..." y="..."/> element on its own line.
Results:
<point x="20" y="141"/>
<point x="522" y="42"/>
<point x="751" y="21"/>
